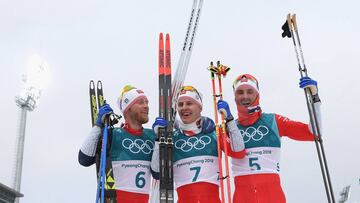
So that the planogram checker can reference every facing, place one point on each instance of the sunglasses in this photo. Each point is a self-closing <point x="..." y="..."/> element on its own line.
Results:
<point x="245" y="78"/>
<point x="189" y="88"/>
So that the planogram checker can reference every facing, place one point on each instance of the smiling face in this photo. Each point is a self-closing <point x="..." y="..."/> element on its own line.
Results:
<point x="139" y="111"/>
<point x="245" y="95"/>
<point x="189" y="110"/>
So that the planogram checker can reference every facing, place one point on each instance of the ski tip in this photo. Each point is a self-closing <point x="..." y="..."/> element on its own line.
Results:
<point x="167" y="41"/>
<point x="92" y="84"/>
<point x="161" y="36"/>
<point x="99" y="84"/>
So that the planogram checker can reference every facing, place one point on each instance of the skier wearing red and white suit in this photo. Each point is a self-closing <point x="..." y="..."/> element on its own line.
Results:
<point x="257" y="174"/>
<point x="196" y="167"/>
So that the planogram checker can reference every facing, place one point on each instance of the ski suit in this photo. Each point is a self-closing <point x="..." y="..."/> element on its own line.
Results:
<point x="196" y="169"/>
<point x="257" y="174"/>
<point x="131" y="156"/>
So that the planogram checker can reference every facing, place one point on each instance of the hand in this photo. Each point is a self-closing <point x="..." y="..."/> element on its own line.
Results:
<point x="104" y="111"/>
<point x="159" y="122"/>
<point x="223" y="107"/>
<point x="207" y="125"/>
<point x="307" y="82"/>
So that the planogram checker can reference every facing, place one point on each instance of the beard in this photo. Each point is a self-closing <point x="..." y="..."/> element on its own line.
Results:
<point x="140" y="117"/>
<point x="143" y="119"/>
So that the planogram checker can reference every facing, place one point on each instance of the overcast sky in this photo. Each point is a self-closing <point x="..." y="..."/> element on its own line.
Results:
<point x="116" y="42"/>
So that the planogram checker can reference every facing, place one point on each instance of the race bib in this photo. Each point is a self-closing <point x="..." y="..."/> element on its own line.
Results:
<point x="132" y="176"/>
<point x="196" y="169"/>
<point x="257" y="160"/>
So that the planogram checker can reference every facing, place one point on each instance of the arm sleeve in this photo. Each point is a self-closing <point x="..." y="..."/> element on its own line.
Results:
<point x="155" y="162"/>
<point x="87" y="151"/>
<point x="236" y="140"/>
<point x="293" y="129"/>
<point x="230" y="152"/>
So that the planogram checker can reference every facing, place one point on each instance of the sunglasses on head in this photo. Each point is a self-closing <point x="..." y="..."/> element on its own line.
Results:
<point x="184" y="89"/>
<point x="245" y="78"/>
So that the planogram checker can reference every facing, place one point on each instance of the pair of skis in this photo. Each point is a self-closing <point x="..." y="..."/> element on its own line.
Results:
<point x="168" y="94"/>
<point x="165" y="111"/>
<point x="291" y="30"/>
<point x="106" y="183"/>
<point x="220" y="71"/>
<point x="186" y="51"/>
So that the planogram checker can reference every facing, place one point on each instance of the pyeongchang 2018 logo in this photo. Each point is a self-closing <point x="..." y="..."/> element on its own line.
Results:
<point x="252" y="133"/>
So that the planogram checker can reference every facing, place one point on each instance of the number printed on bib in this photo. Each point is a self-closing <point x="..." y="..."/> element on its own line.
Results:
<point x="140" y="180"/>
<point x="197" y="171"/>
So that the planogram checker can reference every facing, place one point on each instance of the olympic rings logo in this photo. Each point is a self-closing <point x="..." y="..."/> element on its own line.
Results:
<point x="138" y="145"/>
<point x="255" y="134"/>
<point x="192" y="142"/>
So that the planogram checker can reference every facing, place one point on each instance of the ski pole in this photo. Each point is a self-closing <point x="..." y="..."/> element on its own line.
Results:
<point x="101" y="181"/>
<point x="212" y="74"/>
<point x="103" y="175"/>
<point x="100" y="102"/>
<point x="222" y="70"/>
<point x="290" y="27"/>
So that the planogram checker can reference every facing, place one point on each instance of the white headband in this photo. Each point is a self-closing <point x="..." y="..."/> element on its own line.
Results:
<point x="128" y="98"/>
<point x="194" y="95"/>
<point x="247" y="82"/>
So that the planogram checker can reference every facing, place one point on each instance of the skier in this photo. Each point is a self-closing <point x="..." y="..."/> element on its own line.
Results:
<point x="196" y="169"/>
<point x="257" y="175"/>
<point x="131" y="146"/>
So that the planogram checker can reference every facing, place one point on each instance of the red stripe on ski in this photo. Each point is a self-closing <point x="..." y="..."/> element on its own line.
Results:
<point x="167" y="56"/>
<point x="161" y="54"/>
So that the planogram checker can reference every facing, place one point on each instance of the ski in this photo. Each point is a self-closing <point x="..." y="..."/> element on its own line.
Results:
<point x="96" y="101"/>
<point x="93" y="102"/>
<point x="290" y="30"/>
<point x="186" y="51"/>
<point x="168" y="114"/>
<point x="161" y="131"/>
<point x="168" y="94"/>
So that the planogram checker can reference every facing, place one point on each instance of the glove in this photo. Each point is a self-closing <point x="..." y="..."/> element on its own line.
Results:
<point x="104" y="111"/>
<point x="307" y="82"/>
<point x="159" y="122"/>
<point x="207" y="125"/>
<point x="223" y="107"/>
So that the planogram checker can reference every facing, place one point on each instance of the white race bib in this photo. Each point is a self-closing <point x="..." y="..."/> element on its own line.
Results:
<point x="132" y="176"/>
<point x="257" y="160"/>
<point x="196" y="169"/>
